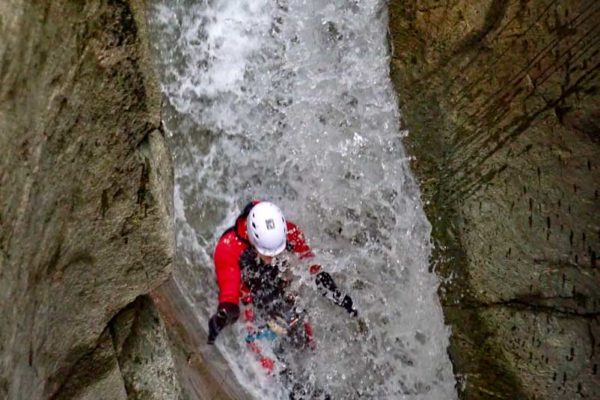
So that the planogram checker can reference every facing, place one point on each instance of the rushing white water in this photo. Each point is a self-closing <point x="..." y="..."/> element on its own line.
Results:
<point x="291" y="101"/>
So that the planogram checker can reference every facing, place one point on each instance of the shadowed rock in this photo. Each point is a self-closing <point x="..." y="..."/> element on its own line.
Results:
<point x="501" y="99"/>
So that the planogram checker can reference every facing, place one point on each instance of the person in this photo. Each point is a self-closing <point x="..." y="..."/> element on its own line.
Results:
<point x="252" y="268"/>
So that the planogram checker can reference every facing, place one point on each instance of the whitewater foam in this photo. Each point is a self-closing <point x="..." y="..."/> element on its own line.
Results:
<point x="291" y="101"/>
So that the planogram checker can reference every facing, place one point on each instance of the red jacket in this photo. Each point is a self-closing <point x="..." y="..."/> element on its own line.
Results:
<point x="227" y="257"/>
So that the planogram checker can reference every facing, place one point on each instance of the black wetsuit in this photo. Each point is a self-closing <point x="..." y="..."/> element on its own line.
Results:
<point x="270" y="298"/>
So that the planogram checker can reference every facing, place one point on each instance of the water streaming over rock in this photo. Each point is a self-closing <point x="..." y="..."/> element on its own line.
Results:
<point x="291" y="101"/>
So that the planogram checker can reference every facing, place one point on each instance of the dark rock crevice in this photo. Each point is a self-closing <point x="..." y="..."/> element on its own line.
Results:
<point x="93" y="366"/>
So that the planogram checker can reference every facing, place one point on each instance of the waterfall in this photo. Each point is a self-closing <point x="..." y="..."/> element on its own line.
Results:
<point x="291" y="101"/>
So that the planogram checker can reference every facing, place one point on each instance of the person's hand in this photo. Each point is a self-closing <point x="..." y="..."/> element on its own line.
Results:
<point x="226" y="314"/>
<point x="348" y="305"/>
<point x="213" y="329"/>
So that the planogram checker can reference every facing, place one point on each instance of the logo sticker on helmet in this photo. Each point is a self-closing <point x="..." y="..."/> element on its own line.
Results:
<point x="270" y="224"/>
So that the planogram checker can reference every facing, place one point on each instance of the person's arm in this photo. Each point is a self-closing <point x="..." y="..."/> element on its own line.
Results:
<point x="228" y="278"/>
<point x="324" y="281"/>
<point x="227" y="314"/>
<point x="328" y="288"/>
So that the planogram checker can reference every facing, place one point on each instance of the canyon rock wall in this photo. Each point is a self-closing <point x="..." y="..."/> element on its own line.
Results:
<point x="85" y="204"/>
<point x="502" y="101"/>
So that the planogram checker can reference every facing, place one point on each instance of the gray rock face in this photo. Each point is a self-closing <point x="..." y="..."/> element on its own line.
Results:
<point x="502" y="101"/>
<point x="95" y="376"/>
<point x="85" y="192"/>
<point x="144" y="353"/>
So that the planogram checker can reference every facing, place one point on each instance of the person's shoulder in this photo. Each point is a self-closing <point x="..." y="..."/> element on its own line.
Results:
<point x="296" y="241"/>
<point x="294" y="232"/>
<point x="292" y="227"/>
<point x="228" y="239"/>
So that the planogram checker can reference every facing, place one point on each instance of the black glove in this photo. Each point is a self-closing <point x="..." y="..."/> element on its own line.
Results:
<point x="227" y="314"/>
<point x="347" y="304"/>
<point x="326" y="285"/>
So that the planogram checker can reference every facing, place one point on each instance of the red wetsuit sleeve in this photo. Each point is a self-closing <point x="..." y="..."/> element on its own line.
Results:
<point x="299" y="246"/>
<point x="227" y="268"/>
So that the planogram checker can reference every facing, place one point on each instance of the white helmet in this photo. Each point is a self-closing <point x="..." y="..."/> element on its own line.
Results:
<point x="267" y="229"/>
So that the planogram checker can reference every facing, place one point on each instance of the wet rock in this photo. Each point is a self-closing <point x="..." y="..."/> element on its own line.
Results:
<point x="555" y="352"/>
<point x="501" y="99"/>
<point x="85" y="192"/>
<point x="104" y="381"/>
<point x="144" y="353"/>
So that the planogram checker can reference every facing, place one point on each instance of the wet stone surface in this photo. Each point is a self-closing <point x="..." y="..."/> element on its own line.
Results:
<point x="501" y="99"/>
